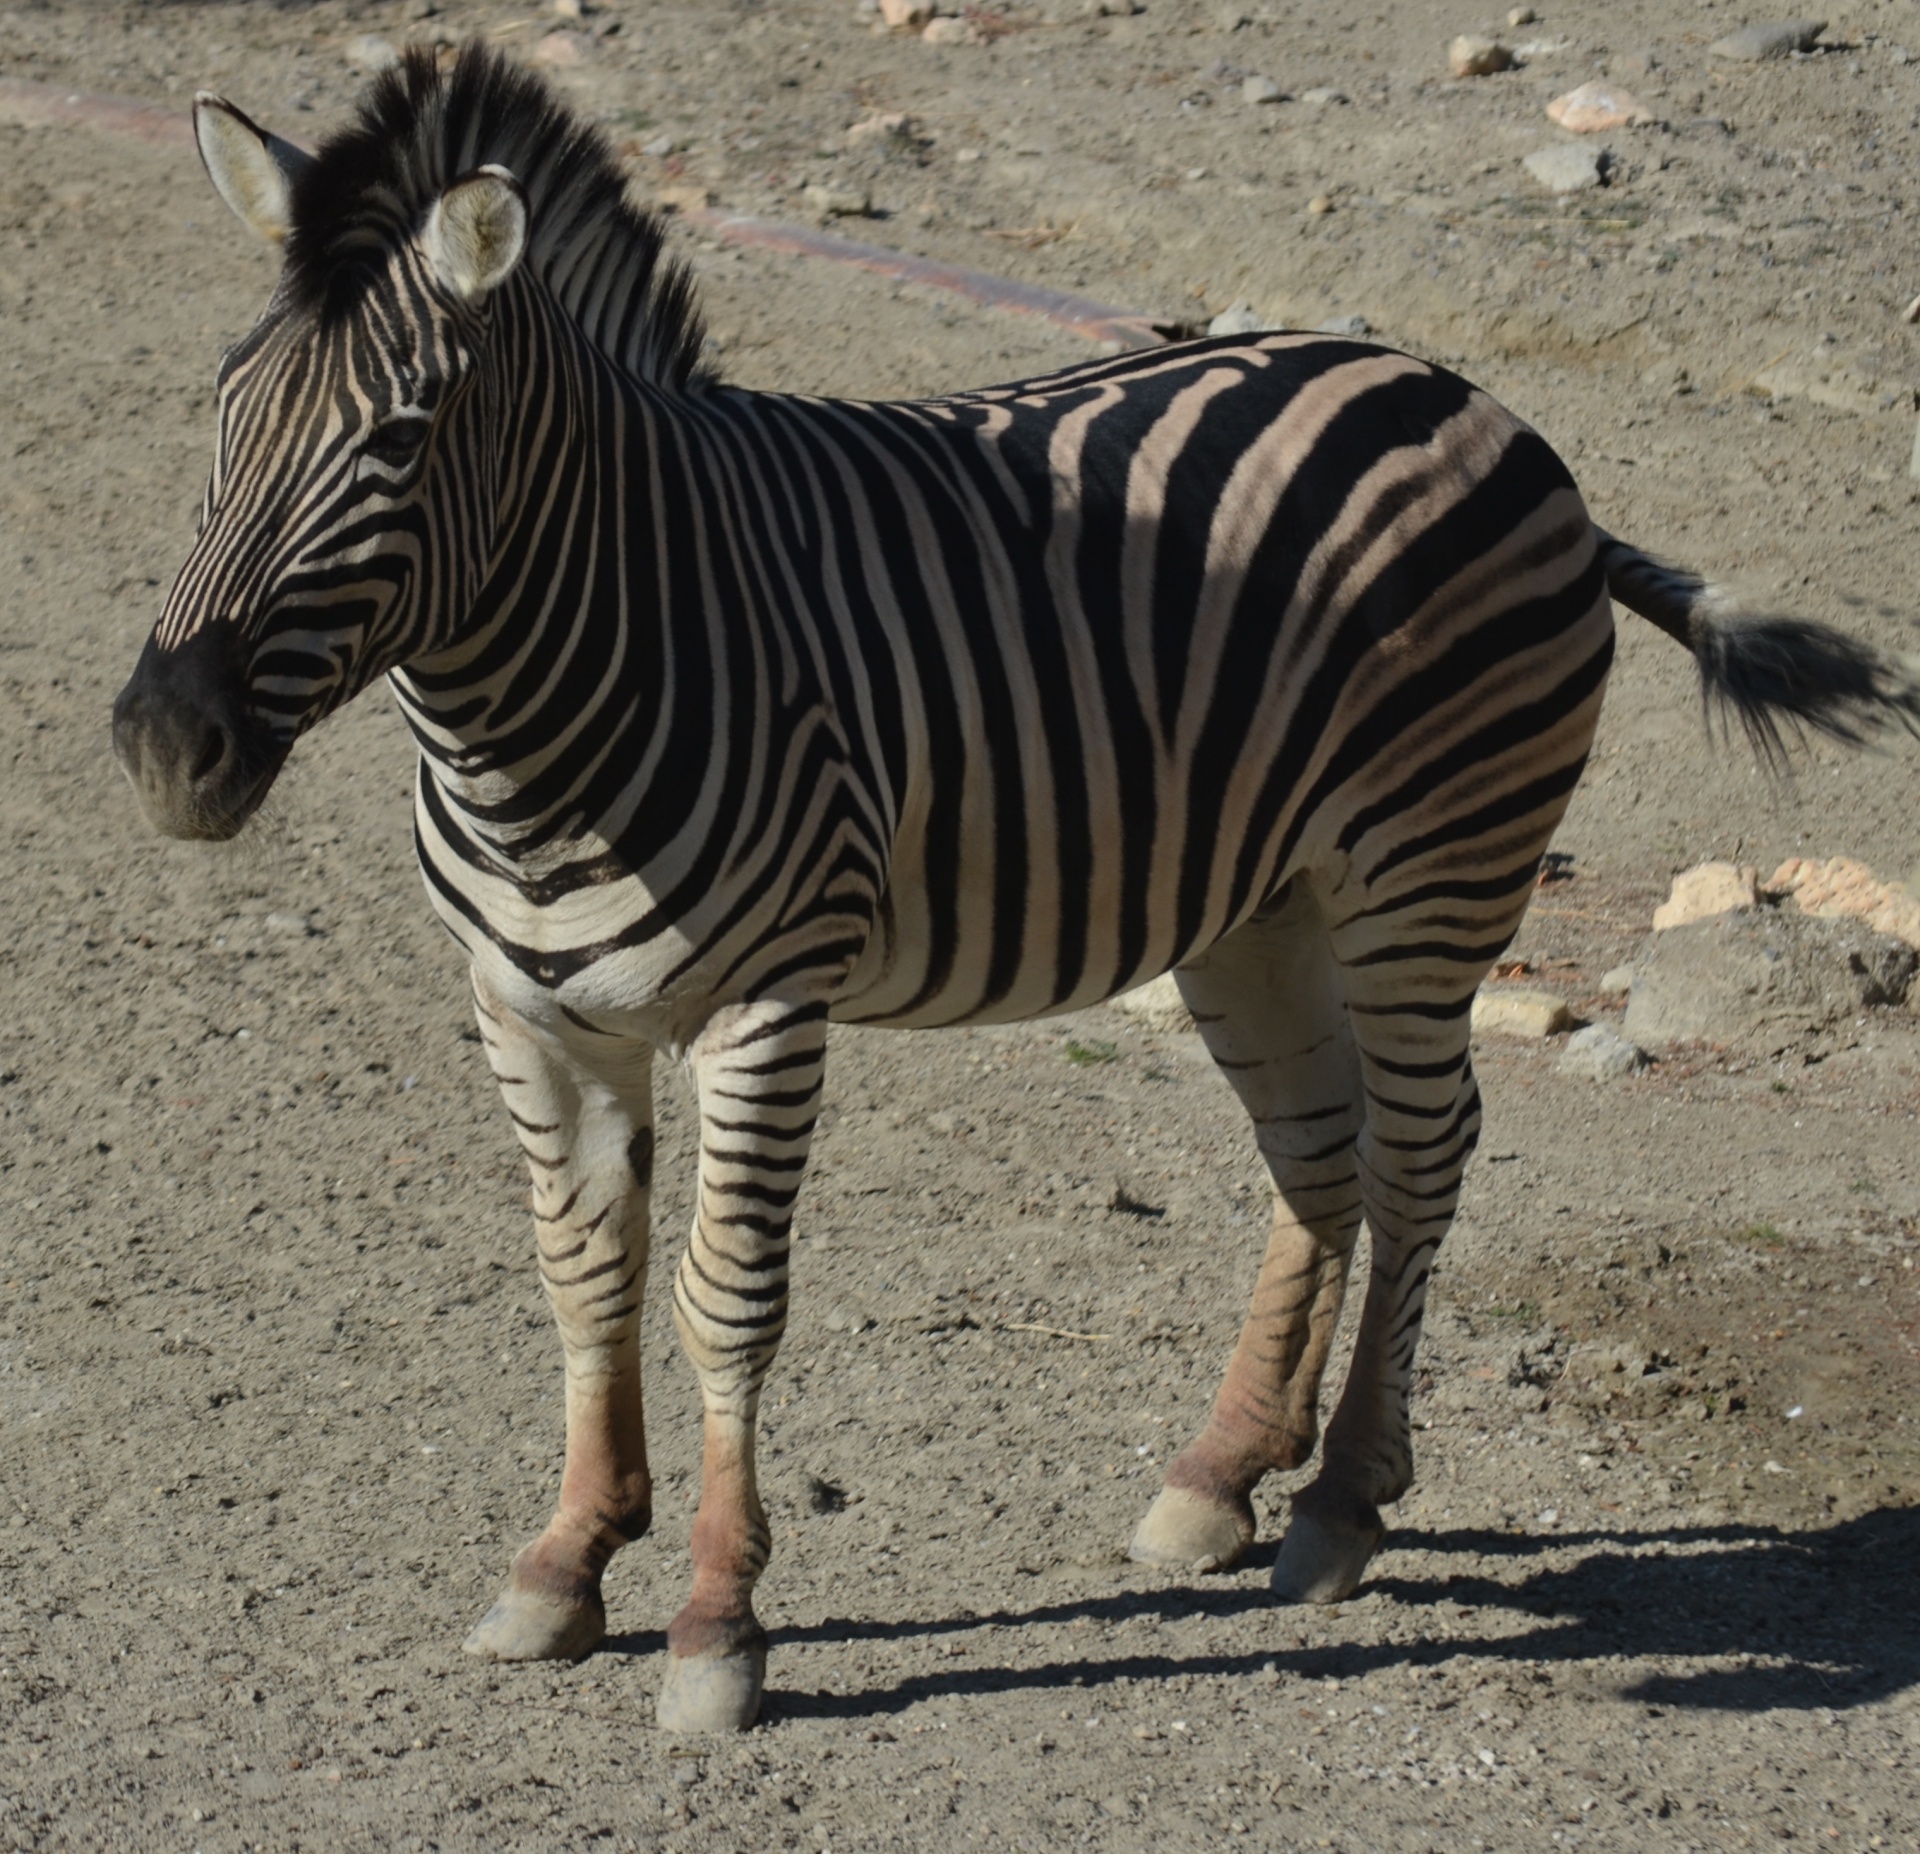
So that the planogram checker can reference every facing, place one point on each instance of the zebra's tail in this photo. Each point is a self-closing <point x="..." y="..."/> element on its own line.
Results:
<point x="1767" y="673"/>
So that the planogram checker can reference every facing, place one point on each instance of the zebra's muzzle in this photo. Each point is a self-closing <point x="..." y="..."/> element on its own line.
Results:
<point x="184" y="737"/>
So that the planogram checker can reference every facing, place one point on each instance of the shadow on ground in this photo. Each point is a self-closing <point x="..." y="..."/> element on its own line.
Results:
<point x="1813" y="1619"/>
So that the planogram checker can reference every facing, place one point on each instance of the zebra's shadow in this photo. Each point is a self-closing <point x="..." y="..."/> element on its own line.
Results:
<point x="1815" y="1619"/>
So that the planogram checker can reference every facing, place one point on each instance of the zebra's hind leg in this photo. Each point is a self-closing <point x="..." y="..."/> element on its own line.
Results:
<point x="759" y="1070"/>
<point x="1268" y="1002"/>
<point x="588" y="1138"/>
<point x="1423" y="1120"/>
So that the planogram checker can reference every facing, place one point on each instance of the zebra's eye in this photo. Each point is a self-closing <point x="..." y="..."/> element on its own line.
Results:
<point x="396" y="441"/>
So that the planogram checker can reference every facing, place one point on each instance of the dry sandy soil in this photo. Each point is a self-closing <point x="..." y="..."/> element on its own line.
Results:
<point x="277" y="1394"/>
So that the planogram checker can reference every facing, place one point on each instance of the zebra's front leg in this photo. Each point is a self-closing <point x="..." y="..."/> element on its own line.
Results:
<point x="759" y="1070"/>
<point x="588" y="1138"/>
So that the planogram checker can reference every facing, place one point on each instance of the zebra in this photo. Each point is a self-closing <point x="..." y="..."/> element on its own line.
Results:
<point x="1267" y="661"/>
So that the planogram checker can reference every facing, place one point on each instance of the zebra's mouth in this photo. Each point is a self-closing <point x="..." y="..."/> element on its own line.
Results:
<point x="198" y="759"/>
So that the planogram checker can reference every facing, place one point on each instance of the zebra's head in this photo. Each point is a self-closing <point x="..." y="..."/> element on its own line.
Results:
<point x="462" y="232"/>
<point x="344" y="525"/>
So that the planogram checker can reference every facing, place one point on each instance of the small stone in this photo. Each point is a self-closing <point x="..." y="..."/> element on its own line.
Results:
<point x="1563" y="168"/>
<point x="1522" y="16"/>
<point x="1241" y="319"/>
<point x="947" y="32"/>
<point x="1705" y="890"/>
<point x="1521" y="1012"/>
<point x="1158" y="1004"/>
<point x="1911" y="313"/>
<point x="1600" y="1053"/>
<point x="909" y="13"/>
<point x="295" y="924"/>
<point x="1472" y="56"/>
<point x="1262" y="90"/>
<point x="561" y="51"/>
<point x="1756" y="44"/>
<point x="1323" y="95"/>
<point x="894" y="125"/>
<point x="660" y="147"/>
<point x="1594" y="107"/>
<point x="370" y="53"/>
<point x="572" y="11"/>
<point x="687" y="198"/>
<point x="1320" y="205"/>
<point x="839" y="202"/>
<point x="1617" y="981"/>
<point x="1349" y="325"/>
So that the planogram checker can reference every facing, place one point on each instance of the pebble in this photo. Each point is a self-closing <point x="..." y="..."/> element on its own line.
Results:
<point x="1522" y="16"/>
<point x="1756" y="44"/>
<point x="1520" y="1011"/>
<point x="1593" y="107"/>
<point x="289" y="924"/>
<point x="1600" y="1053"/>
<point x="370" y="53"/>
<point x="561" y="51"/>
<point x="1472" y="56"/>
<point x="840" y="202"/>
<point x="1617" y="981"/>
<point x="1707" y="889"/>
<point x="1323" y="94"/>
<point x="947" y="32"/>
<point x="894" y="125"/>
<point x="1344" y="325"/>
<point x="911" y="13"/>
<point x="1563" y="168"/>
<point x="1262" y="90"/>
<point x="660" y="147"/>
<point x="573" y="11"/>
<point x="1320" y="205"/>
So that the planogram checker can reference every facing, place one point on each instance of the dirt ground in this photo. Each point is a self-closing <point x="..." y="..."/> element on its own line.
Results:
<point x="278" y="1397"/>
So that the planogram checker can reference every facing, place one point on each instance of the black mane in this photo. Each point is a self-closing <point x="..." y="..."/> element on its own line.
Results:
<point x="419" y="129"/>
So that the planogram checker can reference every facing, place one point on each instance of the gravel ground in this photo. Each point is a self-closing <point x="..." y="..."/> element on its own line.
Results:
<point x="278" y="1390"/>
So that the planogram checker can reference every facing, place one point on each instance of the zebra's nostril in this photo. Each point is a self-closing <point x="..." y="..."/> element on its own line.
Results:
<point x="213" y="754"/>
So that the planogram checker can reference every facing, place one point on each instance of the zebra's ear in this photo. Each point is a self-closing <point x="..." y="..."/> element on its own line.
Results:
<point x="251" y="169"/>
<point x="477" y="232"/>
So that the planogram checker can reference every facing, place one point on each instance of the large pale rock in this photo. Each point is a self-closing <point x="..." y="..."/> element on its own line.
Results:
<point x="1761" y="979"/>
<point x="1158" y="1004"/>
<point x="1705" y="890"/>
<point x="1842" y="889"/>
<point x="1519" y="1010"/>
<point x="1597" y="106"/>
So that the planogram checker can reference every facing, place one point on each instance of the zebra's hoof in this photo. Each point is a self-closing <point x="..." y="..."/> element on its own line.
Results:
<point x="524" y="1627"/>
<point x="712" y="1693"/>
<point x="1324" y="1556"/>
<point x="1183" y="1530"/>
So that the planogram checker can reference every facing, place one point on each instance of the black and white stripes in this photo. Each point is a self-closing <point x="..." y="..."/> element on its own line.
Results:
<point x="1272" y="662"/>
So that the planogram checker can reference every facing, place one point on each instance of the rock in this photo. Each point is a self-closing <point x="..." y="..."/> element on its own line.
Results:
<point x="573" y="11"/>
<point x="1472" y="56"/>
<point x="1321" y="95"/>
<point x="1521" y="16"/>
<point x="685" y="198"/>
<point x="1761" y="979"/>
<point x="948" y="32"/>
<point x="910" y="13"/>
<point x="1262" y="90"/>
<point x="1617" y="981"/>
<point x="1563" y="168"/>
<point x="1158" y="1004"/>
<point x="894" y="126"/>
<point x="1842" y="889"/>
<point x="1705" y="890"/>
<point x="1600" y="1053"/>
<point x="660" y="147"/>
<point x="562" y="51"/>
<point x="1344" y="325"/>
<point x="1520" y="1011"/>
<point x="1754" y="44"/>
<point x="1594" y="107"/>
<point x="294" y="925"/>
<point x="1320" y="205"/>
<point x="1241" y="319"/>
<point x="839" y="202"/>
<point x="368" y="52"/>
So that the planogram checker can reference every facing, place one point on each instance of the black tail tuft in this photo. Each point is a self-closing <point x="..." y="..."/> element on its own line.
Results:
<point x="1778" y="677"/>
<point x="1781" y="676"/>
